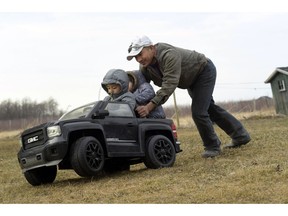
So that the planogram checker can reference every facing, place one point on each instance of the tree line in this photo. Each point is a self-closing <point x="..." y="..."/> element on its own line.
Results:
<point x="260" y="104"/>
<point x="26" y="113"/>
<point x="27" y="108"/>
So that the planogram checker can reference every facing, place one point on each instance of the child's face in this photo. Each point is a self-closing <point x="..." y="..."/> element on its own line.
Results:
<point x="113" y="89"/>
<point x="130" y="86"/>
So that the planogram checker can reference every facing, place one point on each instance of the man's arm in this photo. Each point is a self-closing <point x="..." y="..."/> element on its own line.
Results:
<point x="143" y="111"/>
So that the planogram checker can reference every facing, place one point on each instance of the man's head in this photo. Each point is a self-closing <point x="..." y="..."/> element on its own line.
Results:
<point x="138" y="45"/>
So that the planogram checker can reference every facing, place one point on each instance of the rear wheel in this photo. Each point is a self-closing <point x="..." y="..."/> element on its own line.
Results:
<point x="41" y="175"/>
<point x="160" y="152"/>
<point x="87" y="156"/>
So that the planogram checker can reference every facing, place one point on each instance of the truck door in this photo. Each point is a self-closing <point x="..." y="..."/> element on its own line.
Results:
<point x="121" y="130"/>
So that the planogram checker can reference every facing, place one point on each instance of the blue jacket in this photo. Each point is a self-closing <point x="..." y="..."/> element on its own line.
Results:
<point x="144" y="92"/>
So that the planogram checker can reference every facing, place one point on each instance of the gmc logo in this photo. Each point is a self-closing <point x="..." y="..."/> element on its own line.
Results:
<point x="32" y="139"/>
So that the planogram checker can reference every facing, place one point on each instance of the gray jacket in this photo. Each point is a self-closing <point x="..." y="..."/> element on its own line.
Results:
<point x="174" y="67"/>
<point x="120" y="77"/>
<point x="144" y="92"/>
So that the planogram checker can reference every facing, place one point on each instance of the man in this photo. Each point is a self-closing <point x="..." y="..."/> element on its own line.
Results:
<point x="170" y="67"/>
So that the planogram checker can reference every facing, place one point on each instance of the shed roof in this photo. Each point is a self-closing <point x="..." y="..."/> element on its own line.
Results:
<point x="283" y="70"/>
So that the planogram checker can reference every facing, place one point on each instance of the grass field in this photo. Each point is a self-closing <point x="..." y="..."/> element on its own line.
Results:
<point x="256" y="173"/>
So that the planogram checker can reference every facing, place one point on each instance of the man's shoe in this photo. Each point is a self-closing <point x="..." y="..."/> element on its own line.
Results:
<point x="237" y="144"/>
<point x="211" y="153"/>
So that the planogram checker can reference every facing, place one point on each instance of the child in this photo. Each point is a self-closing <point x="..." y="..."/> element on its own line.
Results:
<point x="116" y="83"/>
<point x="143" y="92"/>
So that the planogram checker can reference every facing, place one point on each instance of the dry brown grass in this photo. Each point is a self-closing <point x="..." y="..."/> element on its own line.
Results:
<point x="256" y="173"/>
<point x="187" y="122"/>
<point x="10" y="134"/>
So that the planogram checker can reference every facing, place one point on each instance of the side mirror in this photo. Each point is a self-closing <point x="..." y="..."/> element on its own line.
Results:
<point x="100" y="114"/>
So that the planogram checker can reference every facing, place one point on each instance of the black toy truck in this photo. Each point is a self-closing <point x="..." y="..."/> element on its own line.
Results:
<point x="98" y="137"/>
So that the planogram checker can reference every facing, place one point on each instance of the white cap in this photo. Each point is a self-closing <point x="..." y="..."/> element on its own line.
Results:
<point x="137" y="45"/>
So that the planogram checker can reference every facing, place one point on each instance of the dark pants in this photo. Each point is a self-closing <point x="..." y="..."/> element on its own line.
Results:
<point x="205" y="111"/>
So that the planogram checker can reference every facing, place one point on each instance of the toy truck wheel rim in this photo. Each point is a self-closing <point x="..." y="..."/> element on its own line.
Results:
<point x="87" y="156"/>
<point x="160" y="152"/>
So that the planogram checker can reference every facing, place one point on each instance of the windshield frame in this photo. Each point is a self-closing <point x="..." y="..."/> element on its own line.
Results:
<point x="79" y="112"/>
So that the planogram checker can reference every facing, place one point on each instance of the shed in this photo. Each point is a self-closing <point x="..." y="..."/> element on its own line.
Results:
<point x="279" y="85"/>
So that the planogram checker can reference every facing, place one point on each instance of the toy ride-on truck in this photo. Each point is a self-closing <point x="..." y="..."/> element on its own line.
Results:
<point x="98" y="137"/>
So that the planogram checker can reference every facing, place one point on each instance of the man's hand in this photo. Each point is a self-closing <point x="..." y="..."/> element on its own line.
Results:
<point x="143" y="111"/>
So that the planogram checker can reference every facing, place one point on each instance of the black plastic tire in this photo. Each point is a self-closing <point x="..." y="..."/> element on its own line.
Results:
<point x="87" y="156"/>
<point x="41" y="175"/>
<point x="160" y="152"/>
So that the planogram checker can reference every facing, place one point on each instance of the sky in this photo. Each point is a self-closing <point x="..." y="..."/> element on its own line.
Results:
<point x="64" y="52"/>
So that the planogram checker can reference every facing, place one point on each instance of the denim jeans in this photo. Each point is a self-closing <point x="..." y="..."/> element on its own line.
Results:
<point x="205" y="112"/>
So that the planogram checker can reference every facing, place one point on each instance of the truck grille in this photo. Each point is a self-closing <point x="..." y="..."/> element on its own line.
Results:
<point x="35" y="138"/>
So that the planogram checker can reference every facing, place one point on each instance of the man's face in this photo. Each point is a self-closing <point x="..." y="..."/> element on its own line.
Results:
<point x="145" y="57"/>
<point x="113" y="89"/>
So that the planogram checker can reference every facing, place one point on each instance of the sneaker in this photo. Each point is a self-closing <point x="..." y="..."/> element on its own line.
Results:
<point x="238" y="144"/>
<point x="211" y="153"/>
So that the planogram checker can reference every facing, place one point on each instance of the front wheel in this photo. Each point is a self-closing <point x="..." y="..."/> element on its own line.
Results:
<point x="87" y="156"/>
<point x="160" y="152"/>
<point x="41" y="175"/>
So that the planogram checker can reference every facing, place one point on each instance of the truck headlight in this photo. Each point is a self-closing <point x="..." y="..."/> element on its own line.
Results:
<point x="53" y="131"/>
